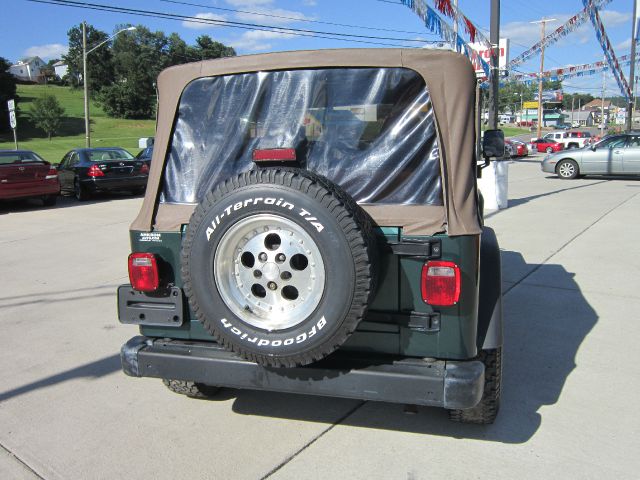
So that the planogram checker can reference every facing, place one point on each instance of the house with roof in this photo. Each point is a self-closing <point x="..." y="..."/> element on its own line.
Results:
<point x="60" y="68"/>
<point x="596" y="106"/>
<point x="583" y="118"/>
<point x="28" y="69"/>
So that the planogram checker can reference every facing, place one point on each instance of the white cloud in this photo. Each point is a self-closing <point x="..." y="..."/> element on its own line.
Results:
<point x="612" y="18"/>
<point x="276" y="16"/>
<point x="256" y="40"/>
<point x="623" y="46"/>
<point x="51" y="50"/>
<point x="310" y="3"/>
<point x="203" y="25"/>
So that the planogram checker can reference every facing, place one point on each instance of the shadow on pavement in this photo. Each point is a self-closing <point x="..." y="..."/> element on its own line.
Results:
<point x="544" y="327"/>
<point x="96" y="369"/>
<point x="64" y="201"/>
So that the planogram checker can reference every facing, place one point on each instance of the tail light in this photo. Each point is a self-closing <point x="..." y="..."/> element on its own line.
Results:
<point x="440" y="283"/>
<point x="144" y="168"/>
<point x="143" y="272"/>
<point x="51" y="174"/>
<point x="94" y="171"/>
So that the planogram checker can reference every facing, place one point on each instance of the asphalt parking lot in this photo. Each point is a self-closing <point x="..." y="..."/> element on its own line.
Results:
<point x="571" y="263"/>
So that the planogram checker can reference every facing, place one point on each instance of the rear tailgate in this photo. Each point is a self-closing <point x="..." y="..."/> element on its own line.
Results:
<point x="24" y="179"/>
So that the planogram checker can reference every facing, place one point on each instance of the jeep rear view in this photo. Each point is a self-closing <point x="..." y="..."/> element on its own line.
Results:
<point x="311" y="225"/>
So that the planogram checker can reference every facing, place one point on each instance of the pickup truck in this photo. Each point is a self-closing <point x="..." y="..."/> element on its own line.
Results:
<point x="569" y="139"/>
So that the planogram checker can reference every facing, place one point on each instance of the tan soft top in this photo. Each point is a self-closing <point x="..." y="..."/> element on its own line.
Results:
<point x="451" y="83"/>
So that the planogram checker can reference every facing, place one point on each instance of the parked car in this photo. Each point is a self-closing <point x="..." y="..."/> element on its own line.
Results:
<point x="563" y="126"/>
<point x="24" y="174"/>
<point x="325" y="244"/>
<point x="545" y="145"/>
<point x="84" y="171"/>
<point x="613" y="155"/>
<point x="145" y="155"/>
<point x="519" y="148"/>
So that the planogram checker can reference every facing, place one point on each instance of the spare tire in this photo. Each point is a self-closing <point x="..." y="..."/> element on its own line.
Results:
<point x="277" y="265"/>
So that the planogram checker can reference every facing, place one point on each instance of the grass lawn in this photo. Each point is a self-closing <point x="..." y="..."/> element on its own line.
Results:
<point x="105" y="131"/>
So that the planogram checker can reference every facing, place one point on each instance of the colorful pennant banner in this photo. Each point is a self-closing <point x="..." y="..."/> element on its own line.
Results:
<point x="437" y="25"/>
<point x="562" y="31"/>
<point x="610" y="55"/>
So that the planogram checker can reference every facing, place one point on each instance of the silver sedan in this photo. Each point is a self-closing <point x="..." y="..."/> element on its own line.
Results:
<point x="613" y="155"/>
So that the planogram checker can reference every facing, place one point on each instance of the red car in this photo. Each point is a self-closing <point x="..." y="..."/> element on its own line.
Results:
<point x="23" y="174"/>
<point x="545" y="145"/>
<point x="517" y="148"/>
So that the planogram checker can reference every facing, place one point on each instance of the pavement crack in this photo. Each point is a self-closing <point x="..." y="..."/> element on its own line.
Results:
<point x="567" y="243"/>
<point x="314" y="439"/>
<point x="22" y="462"/>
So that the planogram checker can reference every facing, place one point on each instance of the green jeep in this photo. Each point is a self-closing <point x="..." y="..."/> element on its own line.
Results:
<point x="312" y="225"/>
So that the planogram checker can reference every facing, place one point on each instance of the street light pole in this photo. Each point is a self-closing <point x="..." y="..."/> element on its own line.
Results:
<point x="632" y="66"/>
<point x="85" y="78"/>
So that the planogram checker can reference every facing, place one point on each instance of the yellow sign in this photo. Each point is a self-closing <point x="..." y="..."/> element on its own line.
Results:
<point x="530" y="104"/>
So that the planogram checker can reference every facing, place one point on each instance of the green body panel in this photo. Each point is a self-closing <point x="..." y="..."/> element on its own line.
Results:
<point x="398" y="292"/>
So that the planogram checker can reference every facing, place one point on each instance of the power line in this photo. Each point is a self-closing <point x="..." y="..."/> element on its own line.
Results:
<point x="241" y="25"/>
<point x="296" y="19"/>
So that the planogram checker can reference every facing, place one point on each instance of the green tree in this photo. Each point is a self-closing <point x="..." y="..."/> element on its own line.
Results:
<point x="206" y="48"/>
<point x="7" y="92"/>
<point x="46" y="114"/>
<point x="99" y="62"/>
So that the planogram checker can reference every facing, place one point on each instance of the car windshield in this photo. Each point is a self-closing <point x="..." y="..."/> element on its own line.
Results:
<point x="370" y="130"/>
<point x="19" y="157"/>
<point x="114" y="154"/>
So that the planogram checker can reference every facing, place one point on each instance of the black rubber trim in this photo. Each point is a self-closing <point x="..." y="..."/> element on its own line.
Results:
<point x="449" y="384"/>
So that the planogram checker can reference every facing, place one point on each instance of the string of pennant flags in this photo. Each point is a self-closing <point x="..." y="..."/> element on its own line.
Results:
<point x="562" y="31"/>
<point x="610" y="55"/>
<point x="435" y="24"/>
<point x="572" y="71"/>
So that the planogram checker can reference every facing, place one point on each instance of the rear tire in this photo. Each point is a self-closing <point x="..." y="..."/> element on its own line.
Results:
<point x="486" y="411"/>
<point x="191" y="389"/>
<point x="138" y="191"/>
<point x="80" y="192"/>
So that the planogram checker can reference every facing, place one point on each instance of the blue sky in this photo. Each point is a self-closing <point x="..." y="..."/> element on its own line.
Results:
<point x="38" y="29"/>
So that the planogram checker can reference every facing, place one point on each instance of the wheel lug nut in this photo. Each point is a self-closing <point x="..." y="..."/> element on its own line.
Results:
<point x="262" y="257"/>
<point x="272" y="285"/>
<point x="257" y="273"/>
<point x="280" y="258"/>
<point x="285" y="275"/>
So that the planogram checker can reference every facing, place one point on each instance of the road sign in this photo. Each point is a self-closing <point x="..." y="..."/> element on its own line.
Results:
<point x="530" y="104"/>
<point x="12" y="119"/>
<point x="12" y="105"/>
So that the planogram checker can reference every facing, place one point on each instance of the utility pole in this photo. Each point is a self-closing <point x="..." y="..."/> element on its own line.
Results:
<point x="573" y="99"/>
<point x="85" y="80"/>
<point x="455" y="28"/>
<point x="632" y="66"/>
<point x="542" y="23"/>
<point x="604" y="85"/>
<point x="494" y="38"/>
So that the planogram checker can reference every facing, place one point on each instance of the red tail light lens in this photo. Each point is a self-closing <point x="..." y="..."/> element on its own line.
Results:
<point x="143" y="272"/>
<point x="144" y="168"/>
<point x="440" y="283"/>
<point x="94" y="171"/>
<point x="51" y="174"/>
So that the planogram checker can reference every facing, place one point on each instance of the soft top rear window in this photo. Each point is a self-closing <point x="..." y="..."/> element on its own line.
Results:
<point x="370" y="130"/>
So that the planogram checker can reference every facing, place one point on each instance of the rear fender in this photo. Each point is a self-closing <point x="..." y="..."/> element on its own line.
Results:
<point x="490" y="301"/>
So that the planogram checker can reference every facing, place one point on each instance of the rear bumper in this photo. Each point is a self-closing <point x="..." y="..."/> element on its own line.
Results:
<point x="123" y="183"/>
<point x="449" y="384"/>
<point x="27" y="189"/>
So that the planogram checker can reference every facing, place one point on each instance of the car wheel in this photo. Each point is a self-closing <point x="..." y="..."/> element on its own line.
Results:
<point x="138" y="191"/>
<point x="49" y="200"/>
<point x="567" y="169"/>
<point x="549" y="150"/>
<point x="79" y="191"/>
<point x="278" y="265"/>
<point x="486" y="411"/>
<point x="191" y="389"/>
